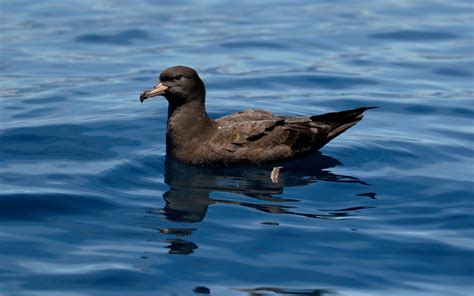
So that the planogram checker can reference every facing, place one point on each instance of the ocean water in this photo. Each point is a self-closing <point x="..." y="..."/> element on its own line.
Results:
<point x="90" y="205"/>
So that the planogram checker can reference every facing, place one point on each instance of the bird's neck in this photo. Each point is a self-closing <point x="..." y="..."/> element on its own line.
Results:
<point x="186" y="122"/>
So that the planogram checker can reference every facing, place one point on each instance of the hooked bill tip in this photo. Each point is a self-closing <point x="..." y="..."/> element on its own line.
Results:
<point x="143" y="96"/>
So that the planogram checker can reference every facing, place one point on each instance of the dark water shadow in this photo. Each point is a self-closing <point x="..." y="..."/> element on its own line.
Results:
<point x="43" y="206"/>
<point x="452" y="72"/>
<point x="64" y="141"/>
<point x="126" y="37"/>
<point x="261" y="291"/>
<point x="296" y="80"/>
<point x="413" y="35"/>
<point x="44" y="100"/>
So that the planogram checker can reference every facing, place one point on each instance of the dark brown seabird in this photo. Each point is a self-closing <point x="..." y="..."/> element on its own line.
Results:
<point x="246" y="137"/>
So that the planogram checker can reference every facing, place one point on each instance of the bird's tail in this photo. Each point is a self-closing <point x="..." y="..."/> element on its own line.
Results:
<point x="339" y="122"/>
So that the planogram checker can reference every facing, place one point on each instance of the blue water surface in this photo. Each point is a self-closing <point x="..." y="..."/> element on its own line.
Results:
<point x="90" y="205"/>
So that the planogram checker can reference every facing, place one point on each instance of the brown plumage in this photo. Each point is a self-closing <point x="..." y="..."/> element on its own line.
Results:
<point x="251" y="136"/>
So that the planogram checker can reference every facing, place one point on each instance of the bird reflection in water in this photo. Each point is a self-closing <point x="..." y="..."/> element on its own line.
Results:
<point x="188" y="198"/>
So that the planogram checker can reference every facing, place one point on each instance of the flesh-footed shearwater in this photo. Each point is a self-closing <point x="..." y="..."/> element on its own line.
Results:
<point x="246" y="137"/>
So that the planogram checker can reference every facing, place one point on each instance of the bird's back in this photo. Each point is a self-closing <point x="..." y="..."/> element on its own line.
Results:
<point x="257" y="136"/>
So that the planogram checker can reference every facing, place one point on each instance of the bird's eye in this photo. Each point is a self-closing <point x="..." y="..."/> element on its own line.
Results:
<point x="178" y="77"/>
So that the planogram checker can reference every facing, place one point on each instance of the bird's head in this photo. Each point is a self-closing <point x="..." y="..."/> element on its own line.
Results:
<point x="178" y="84"/>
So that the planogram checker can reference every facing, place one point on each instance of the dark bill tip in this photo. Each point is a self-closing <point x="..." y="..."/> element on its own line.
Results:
<point x="158" y="90"/>
<point x="143" y="96"/>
